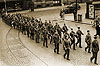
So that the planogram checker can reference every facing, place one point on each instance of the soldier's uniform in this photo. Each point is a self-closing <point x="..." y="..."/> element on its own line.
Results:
<point x="14" y="24"/>
<point x="49" y="29"/>
<point x="72" y="38"/>
<point x="64" y="28"/>
<point x="95" y="49"/>
<point x="56" y="26"/>
<point x="79" y="33"/>
<point x="66" y="35"/>
<point x="67" y="48"/>
<point x="88" y="41"/>
<point x="27" y="29"/>
<point x="32" y="30"/>
<point x="56" y="42"/>
<point x="37" y="35"/>
<point x="45" y="38"/>
<point x="52" y="31"/>
<point x="59" y="32"/>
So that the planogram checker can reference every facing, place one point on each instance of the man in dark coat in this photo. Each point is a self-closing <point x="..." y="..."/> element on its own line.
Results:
<point x="31" y="6"/>
<point x="97" y="30"/>
<point x="95" y="49"/>
<point x="61" y="11"/>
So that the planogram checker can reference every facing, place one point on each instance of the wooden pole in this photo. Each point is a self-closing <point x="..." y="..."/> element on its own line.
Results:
<point x="5" y="6"/>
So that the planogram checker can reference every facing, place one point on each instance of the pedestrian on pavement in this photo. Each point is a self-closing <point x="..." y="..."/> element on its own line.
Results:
<point x="88" y="41"/>
<point x="79" y="33"/>
<point x="98" y="30"/>
<point x="61" y="11"/>
<point x="63" y="15"/>
<point x="95" y="49"/>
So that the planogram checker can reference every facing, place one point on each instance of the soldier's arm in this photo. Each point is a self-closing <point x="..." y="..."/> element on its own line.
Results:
<point x="69" y="43"/>
<point x="98" y="46"/>
<point x="82" y="33"/>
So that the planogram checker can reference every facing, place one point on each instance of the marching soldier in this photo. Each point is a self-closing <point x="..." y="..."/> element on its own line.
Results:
<point x="37" y="34"/>
<point x="95" y="49"/>
<point x="49" y="29"/>
<point x="66" y="35"/>
<point x="79" y="33"/>
<point x="27" y="29"/>
<point x="32" y="30"/>
<point x="72" y="38"/>
<point x="46" y="24"/>
<point x="56" y="26"/>
<point x="56" y="42"/>
<point x="52" y="31"/>
<point x="64" y="28"/>
<point x="67" y="48"/>
<point x="59" y="32"/>
<point x="88" y="41"/>
<point x="45" y="37"/>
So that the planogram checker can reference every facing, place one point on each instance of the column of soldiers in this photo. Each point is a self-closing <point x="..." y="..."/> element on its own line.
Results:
<point x="37" y="30"/>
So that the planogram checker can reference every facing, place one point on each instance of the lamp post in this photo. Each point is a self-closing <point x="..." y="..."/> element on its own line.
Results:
<point x="75" y="12"/>
<point x="5" y="6"/>
<point x="76" y="6"/>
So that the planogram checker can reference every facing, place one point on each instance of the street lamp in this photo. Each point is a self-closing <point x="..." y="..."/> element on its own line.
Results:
<point x="76" y="6"/>
<point x="75" y="12"/>
<point x="5" y="6"/>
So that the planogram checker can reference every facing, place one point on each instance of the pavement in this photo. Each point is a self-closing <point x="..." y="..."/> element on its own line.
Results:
<point x="17" y="49"/>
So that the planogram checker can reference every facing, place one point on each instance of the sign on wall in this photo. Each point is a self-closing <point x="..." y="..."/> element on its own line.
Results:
<point x="91" y="11"/>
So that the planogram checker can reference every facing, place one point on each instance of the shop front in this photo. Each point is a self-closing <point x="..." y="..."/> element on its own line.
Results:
<point x="92" y="10"/>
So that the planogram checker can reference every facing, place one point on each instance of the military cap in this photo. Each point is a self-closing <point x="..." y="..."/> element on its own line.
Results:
<point x="95" y="37"/>
<point x="88" y="31"/>
<point x="78" y="27"/>
<point x="71" y="28"/>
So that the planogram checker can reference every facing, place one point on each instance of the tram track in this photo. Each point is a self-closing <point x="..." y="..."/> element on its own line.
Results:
<point x="22" y="62"/>
<point x="9" y="47"/>
<point x="30" y="50"/>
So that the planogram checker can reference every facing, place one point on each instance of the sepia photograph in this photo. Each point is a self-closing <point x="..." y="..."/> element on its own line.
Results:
<point x="49" y="32"/>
